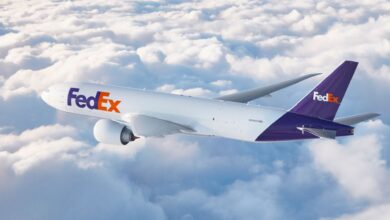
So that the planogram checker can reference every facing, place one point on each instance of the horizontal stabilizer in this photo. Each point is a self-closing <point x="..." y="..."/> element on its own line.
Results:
<point x="322" y="133"/>
<point x="351" y="120"/>
<point x="252" y="94"/>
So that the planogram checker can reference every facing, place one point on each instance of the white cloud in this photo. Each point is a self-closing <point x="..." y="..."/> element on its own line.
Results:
<point x="197" y="92"/>
<point x="254" y="68"/>
<point x="221" y="83"/>
<point x="356" y="165"/>
<point x="167" y="88"/>
<point x="202" y="53"/>
<point x="293" y="16"/>
<point x="379" y="212"/>
<point x="52" y="161"/>
<point x="198" y="48"/>
<point x="193" y="34"/>
<point x="242" y="200"/>
<point x="14" y="141"/>
<point x="34" y="146"/>
<point x="227" y="92"/>
<point x="151" y="54"/>
<point x="41" y="151"/>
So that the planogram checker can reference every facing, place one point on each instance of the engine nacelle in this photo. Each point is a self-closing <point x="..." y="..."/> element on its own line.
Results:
<point x="111" y="132"/>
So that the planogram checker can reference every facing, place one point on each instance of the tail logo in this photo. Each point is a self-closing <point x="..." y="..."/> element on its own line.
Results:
<point x="328" y="97"/>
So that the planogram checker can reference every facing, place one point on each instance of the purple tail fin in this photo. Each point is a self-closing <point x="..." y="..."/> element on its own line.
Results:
<point x="324" y="100"/>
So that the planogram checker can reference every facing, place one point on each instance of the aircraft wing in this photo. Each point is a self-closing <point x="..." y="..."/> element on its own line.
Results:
<point x="148" y="126"/>
<point x="351" y="120"/>
<point x="249" y="95"/>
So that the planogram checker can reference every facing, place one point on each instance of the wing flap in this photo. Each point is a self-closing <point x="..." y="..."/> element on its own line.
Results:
<point x="354" y="119"/>
<point x="148" y="126"/>
<point x="249" y="95"/>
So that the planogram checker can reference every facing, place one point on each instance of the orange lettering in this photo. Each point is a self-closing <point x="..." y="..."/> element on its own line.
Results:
<point x="114" y="105"/>
<point x="102" y="100"/>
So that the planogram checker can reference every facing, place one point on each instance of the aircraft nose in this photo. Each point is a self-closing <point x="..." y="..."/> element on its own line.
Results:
<point x="45" y="96"/>
<point x="55" y="95"/>
<point x="49" y="95"/>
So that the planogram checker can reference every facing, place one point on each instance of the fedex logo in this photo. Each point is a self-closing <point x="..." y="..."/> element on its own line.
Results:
<point x="99" y="102"/>
<point x="328" y="97"/>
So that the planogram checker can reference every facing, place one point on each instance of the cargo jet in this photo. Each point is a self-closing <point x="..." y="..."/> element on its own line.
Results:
<point x="126" y="114"/>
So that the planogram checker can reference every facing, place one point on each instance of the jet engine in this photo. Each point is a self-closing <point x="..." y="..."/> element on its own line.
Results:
<point x="111" y="132"/>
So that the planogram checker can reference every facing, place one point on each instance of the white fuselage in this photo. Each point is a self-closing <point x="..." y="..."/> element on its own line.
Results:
<point x="206" y="116"/>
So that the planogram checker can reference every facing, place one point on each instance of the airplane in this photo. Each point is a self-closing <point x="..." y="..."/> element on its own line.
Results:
<point x="126" y="114"/>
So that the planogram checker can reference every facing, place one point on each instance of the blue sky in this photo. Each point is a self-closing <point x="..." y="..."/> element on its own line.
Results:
<point x="52" y="168"/>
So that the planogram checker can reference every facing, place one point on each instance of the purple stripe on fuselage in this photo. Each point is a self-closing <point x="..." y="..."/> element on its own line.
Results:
<point x="285" y="128"/>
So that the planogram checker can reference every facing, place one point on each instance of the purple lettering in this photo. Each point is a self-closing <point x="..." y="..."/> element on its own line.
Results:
<point x="81" y="101"/>
<point x="71" y="95"/>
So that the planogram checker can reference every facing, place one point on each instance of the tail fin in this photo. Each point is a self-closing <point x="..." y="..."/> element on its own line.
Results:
<point x="324" y="100"/>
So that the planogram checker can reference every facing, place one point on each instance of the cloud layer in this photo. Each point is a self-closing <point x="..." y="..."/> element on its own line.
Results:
<point x="51" y="167"/>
